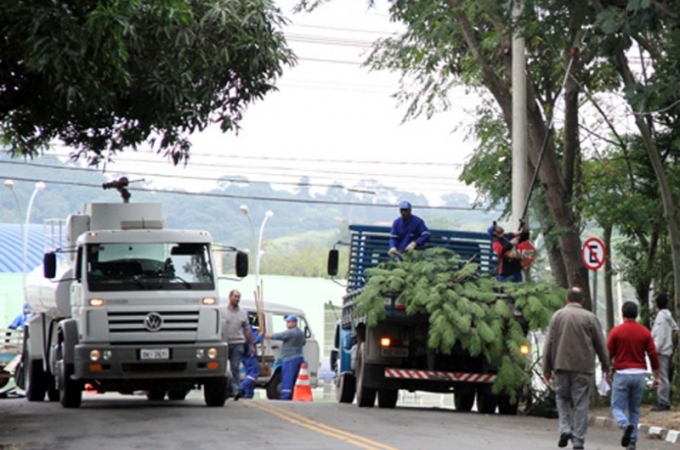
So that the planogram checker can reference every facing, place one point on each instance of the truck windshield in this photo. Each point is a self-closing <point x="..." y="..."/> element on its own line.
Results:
<point x="149" y="266"/>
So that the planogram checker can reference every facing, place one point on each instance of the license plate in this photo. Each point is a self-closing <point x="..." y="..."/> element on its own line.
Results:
<point x="395" y="352"/>
<point x="154" y="353"/>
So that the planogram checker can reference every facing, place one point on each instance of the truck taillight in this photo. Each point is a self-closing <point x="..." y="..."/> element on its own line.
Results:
<point x="96" y="302"/>
<point x="385" y="342"/>
<point x="390" y="342"/>
<point x="209" y="301"/>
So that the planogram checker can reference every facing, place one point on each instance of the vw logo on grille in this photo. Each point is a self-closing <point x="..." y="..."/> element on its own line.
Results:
<point x="153" y="322"/>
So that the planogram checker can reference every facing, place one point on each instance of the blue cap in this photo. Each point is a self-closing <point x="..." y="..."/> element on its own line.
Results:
<point x="291" y="318"/>
<point x="492" y="228"/>
<point x="404" y="205"/>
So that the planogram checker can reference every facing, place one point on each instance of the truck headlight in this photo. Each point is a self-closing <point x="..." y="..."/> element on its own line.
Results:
<point x="200" y="353"/>
<point x="95" y="355"/>
<point x="212" y="353"/>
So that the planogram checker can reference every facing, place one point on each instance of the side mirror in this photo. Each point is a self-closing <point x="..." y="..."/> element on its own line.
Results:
<point x="241" y="264"/>
<point x="50" y="265"/>
<point x="333" y="256"/>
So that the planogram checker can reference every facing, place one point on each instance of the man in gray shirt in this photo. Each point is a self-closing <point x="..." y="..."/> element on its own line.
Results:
<point x="663" y="329"/>
<point x="235" y="332"/>
<point x="574" y="337"/>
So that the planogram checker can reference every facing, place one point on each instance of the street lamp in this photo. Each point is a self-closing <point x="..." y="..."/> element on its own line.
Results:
<point x="244" y="209"/>
<point x="267" y="215"/>
<point x="39" y="186"/>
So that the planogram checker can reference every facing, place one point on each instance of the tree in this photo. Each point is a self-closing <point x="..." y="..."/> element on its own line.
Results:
<point x="103" y="76"/>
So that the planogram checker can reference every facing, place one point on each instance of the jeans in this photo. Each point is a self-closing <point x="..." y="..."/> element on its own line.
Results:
<point x="289" y="373"/>
<point x="514" y="277"/>
<point x="236" y="352"/>
<point x="627" y="390"/>
<point x="573" y="388"/>
<point x="663" y="393"/>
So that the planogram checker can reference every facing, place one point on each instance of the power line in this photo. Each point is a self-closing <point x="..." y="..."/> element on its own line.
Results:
<point x="253" y="197"/>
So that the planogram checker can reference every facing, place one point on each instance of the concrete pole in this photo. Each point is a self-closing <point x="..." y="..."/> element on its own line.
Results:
<point x="520" y="173"/>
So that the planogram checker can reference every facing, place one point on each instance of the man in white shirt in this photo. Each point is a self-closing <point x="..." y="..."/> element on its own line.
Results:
<point x="663" y="330"/>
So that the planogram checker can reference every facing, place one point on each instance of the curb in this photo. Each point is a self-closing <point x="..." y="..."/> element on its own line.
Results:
<point x="659" y="433"/>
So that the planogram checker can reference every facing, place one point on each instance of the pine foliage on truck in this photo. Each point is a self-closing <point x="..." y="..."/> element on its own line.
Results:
<point x="465" y="305"/>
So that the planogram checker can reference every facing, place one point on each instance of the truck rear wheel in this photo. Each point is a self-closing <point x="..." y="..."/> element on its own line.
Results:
<point x="274" y="387"/>
<point x="464" y="398"/>
<point x="387" y="398"/>
<point x="70" y="391"/>
<point x="345" y="388"/>
<point x="215" y="391"/>
<point x="486" y="400"/>
<point x="365" y="395"/>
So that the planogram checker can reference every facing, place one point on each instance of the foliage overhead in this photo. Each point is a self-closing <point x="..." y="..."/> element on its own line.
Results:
<point x="464" y="307"/>
<point x="103" y="76"/>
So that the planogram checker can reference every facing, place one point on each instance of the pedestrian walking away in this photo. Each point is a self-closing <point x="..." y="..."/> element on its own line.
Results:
<point x="251" y="365"/>
<point x="629" y="345"/>
<point x="574" y="337"/>
<point x="663" y="330"/>
<point x="505" y="247"/>
<point x="291" y="354"/>
<point x="236" y="332"/>
<point x="408" y="231"/>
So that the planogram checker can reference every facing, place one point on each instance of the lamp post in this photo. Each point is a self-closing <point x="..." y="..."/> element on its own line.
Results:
<point x="39" y="186"/>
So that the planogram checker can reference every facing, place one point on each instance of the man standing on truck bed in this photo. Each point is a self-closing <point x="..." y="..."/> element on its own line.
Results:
<point x="504" y="245"/>
<point x="291" y="354"/>
<point x="236" y="332"/>
<point x="408" y="231"/>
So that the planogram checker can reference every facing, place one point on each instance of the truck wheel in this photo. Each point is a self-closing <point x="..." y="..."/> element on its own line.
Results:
<point x="215" y="391"/>
<point x="464" y="398"/>
<point x="155" y="395"/>
<point x="177" y="395"/>
<point x="365" y="395"/>
<point x="36" y="381"/>
<point x="505" y="407"/>
<point x="387" y="398"/>
<point x="274" y="387"/>
<point x="70" y="391"/>
<point x="486" y="400"/>
<point x="4" y="379"/>
<point x="345" y="388"/>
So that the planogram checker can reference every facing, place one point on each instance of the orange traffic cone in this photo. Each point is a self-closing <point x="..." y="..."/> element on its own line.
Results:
<point x="302" y="391"/>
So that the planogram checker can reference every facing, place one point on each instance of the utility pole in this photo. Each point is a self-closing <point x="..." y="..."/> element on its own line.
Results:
<point x="520" y="179"/>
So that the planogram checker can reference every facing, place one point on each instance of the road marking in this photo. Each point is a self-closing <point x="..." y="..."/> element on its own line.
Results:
<point x="298" y="419"/>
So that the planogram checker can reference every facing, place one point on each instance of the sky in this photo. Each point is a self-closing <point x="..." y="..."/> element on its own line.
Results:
<point x="331" y="120"/>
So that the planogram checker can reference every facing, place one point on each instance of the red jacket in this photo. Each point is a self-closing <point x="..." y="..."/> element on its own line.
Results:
<point x="628" y="344"/>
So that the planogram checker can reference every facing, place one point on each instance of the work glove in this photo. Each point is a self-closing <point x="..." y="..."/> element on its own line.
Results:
<point x="515" y="240"/>
<point x="411" y="246"/>
<point x="393" y="251"/>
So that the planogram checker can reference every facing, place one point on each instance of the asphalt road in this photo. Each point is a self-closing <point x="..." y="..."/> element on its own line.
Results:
<point x="111" y="421"/>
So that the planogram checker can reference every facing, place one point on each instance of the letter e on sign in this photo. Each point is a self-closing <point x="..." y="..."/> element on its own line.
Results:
<point x="593" y="254"/>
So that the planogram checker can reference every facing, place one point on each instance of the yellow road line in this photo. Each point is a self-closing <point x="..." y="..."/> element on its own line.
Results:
<point x="313" y="425"/>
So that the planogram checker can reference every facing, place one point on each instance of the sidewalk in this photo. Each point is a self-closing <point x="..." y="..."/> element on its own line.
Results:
<point x="654" y="425"/>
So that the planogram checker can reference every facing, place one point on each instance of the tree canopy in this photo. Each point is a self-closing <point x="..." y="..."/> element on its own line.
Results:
<point x="103" y="76"/>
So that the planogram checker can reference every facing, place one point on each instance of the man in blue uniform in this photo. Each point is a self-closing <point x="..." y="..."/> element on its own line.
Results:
<point x="291" y="354"/>
<point x="20" y="320"/>
<point x="408" y="231"/>
<point x="251" y="364"/>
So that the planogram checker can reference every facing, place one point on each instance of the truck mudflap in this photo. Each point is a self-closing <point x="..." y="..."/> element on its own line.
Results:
<point x="433" y="375"/>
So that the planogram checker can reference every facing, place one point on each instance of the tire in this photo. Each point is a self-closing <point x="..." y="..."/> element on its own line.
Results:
<point x="274" y="387"/>
<point x="4" y="381"/>
<point x="464" y="398"/>
<point x="365" y="395"/>
<point x="177" y="395"/>
<point x="387" y="398"/>
<point x="70" y="391"/>
<point x="486" y="400"/>
<point x="215" y="392"/>
<point x="505" y="407"/>
<point x="155" y="395"/>
<point x="36" y="380"/>
<point x="345" y="388"/>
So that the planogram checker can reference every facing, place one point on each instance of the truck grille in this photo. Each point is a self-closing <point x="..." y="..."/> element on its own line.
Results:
<point x="152" y="322"/>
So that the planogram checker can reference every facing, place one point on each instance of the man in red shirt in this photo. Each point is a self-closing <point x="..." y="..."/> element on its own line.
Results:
<point x="628" y="344"/>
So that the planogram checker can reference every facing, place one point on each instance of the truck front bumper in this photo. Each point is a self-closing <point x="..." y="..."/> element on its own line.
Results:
<point x="148" y="362"/>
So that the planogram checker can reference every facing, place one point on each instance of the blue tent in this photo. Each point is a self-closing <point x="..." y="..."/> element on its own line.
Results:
<point x="11" y="247"/>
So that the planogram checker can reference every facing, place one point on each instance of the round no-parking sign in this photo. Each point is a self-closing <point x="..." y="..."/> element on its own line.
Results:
<point x="593" y="254"/>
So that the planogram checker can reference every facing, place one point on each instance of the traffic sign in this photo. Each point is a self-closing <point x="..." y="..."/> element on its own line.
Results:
<point x="593" y="253"/>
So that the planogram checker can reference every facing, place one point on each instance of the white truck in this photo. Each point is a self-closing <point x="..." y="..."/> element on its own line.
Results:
<point x="126" y="305"/>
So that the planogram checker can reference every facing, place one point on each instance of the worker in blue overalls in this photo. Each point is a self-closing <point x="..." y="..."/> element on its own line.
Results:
<point x="251" y="364"/>
<point x="291" y="354"/>
<point x="20" y="321"/>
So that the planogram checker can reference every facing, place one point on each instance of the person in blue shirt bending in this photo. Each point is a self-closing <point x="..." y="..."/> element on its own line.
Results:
<point x="291" y="354"/>
<point x="251" y="364"/>
<point x="408" y="231"/>
<point x="20" y="320"/>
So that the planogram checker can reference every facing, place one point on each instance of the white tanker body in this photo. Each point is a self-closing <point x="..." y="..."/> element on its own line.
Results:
<point x="126" y="309"/>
